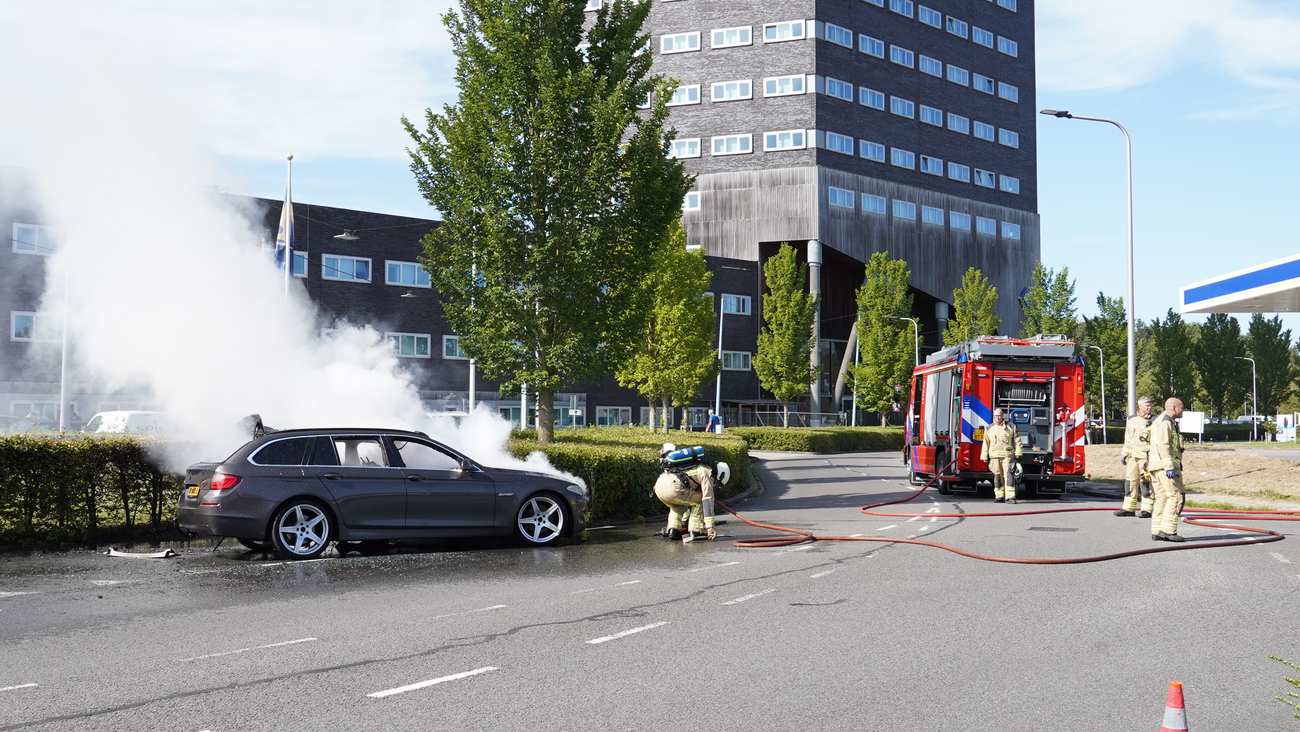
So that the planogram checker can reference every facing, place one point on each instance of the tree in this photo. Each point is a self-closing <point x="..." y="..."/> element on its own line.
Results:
<point x="676" y="350"/>
<point x="1271" y="347"/>
<point x="1109" y="332"/>
<point x="885" y="343"/>
<point x="1225" y="378"/>
<point x="975" y="309"/>
<point x="783" y="362"/>
<point x="1048" y="307"/>
<point x="1168" y="370"/>
<point x="553" y="187"/>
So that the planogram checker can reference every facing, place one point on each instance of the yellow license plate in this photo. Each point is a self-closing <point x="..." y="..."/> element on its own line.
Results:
<point x="193" y="492"/>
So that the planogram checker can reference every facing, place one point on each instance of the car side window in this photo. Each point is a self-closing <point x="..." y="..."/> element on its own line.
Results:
<point x="322" y="453"/>
<point x="419" y="456"/>
<point x="363" y="452"/>
<point x="282" y="452"/>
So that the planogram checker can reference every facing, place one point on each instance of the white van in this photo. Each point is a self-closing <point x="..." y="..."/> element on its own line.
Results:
<point x="125" y="423"/>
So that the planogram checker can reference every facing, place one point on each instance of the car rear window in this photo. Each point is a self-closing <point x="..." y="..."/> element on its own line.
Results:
<point x="282" y="452"/>
<point x="323" y="452"/>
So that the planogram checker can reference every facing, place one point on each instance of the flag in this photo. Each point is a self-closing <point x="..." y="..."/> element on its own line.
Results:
<point x="284" y="238"/>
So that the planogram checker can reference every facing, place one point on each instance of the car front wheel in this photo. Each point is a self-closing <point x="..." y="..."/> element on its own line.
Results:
<point x="301" y="530"/>
<point x="541" y="520"/>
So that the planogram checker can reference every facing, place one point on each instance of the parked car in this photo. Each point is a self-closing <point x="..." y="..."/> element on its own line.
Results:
<point x="126" y="422"/>
<point x="298" y="490"/>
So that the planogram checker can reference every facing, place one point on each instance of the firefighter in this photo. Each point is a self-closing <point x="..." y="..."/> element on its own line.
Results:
<point x="689" y="495"/>
<point x="1137" y="443"/>
<point x="1001" y="450"/>
<point x="1165" y="463"/>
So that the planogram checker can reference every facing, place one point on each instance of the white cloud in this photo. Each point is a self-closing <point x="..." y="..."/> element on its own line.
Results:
<point x="252" y="79"/>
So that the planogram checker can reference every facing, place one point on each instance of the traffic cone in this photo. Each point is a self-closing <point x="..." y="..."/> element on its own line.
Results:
<point x="1175" y="713"/>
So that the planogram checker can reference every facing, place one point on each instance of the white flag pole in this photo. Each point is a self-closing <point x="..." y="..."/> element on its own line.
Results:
<point x="288" y="241"/>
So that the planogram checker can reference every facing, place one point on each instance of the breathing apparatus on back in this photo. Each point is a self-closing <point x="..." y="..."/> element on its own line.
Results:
<point x="674" y="460"/>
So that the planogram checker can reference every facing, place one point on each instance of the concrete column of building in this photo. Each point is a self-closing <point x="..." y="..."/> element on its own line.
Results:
<point x="815" y="289"/>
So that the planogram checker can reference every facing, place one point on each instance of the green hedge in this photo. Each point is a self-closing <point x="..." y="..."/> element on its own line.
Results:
<point x="55" y="489"/>
<point x="1213" y="433"/>
<point x="821" y="440"/>
<point x="620" y="464"/>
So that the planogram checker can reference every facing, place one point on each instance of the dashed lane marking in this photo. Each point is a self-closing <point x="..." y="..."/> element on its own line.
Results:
<point x="468" y="612"/>
<point x="914" y="518"/>
<point x="431" y="682"/>
<point x="20" y="686"/>
<point x="711" y="566"/>
<point x="3" y="595"/>
<point x="602" y="528"/>
<point x="887" y="528"/>
<point x="933" y="519"/>
<point x="629" y="582"/>
<point x="819" y="575"/>
<point x="803" y="548"/>
<point x="1279" y="557"/>
<point x="252" y="648"/>
<point x="747" y="598"/>
<point x="626" y="633"/>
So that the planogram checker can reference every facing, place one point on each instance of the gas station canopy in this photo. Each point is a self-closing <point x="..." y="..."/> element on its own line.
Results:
<point x="1272" y="287"/>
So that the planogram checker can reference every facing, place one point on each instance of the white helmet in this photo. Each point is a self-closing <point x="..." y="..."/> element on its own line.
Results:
<point x="667" y="448"/>
<point x="724" y="473"/>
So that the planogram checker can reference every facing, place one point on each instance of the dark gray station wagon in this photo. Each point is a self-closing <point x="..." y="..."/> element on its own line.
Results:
<point x="298" y="490"/>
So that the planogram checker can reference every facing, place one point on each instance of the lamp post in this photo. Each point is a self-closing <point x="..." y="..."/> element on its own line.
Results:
<point x="916" y="341"/>
<point x="1128" y="172"/>
<point x="1254" y="402"/>
<point x="717" y="393"/>
<point x="857" y="352"/>
<point x="1102" y="355"/>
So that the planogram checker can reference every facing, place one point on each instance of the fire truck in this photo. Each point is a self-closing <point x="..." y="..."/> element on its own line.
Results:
<point x="1038" y="383"/>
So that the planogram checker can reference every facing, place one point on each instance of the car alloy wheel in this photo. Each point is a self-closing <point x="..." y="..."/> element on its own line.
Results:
<point x="540" y="520"/>
<point x="302" y="530"/>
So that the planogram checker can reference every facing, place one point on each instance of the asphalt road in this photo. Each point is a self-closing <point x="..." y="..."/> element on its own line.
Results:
<point x="627" y="631"/>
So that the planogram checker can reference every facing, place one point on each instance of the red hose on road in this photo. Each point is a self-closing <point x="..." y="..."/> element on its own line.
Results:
<point x="787" y="536"/>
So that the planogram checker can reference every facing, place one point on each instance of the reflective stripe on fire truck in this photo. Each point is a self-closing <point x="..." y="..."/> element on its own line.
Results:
<point x="974" y="416"/>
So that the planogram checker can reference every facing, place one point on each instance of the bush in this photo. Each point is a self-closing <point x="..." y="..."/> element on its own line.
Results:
<point x="821" y="440"/>
<point x="55" y="489"/>
<point x="1213" y="433"/>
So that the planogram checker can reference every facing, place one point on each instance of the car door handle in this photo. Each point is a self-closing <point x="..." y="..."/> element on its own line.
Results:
<point x="414" y="478"/>
<point x="331" y="476"/>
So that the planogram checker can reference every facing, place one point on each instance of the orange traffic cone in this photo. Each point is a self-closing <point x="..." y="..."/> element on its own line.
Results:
<point x="1175" y="713"/>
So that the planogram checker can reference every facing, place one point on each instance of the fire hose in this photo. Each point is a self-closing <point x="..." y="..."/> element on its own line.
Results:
<point x="787" y="536"/>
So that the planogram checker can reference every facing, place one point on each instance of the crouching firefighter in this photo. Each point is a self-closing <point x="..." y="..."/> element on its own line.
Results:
<point x="687" y="487"/>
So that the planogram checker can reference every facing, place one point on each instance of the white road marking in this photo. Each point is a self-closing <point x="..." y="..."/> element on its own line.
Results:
<point x="913" y="519"/>
<point x="577" y="592"/>
<point x="20" y="686"/>
<point x="252" y="648"/>
<point x="711" y="566"/>
<point x="270" y="564"/>
<point x="887" y="528"/>
<point x="431" y="682"/>
<point x="855" y="536"/>
<point x="629" y="582"/>
<point x="933" y="509"/>
<point x="467" y="612"/>
<point x="1278" y="556"/>
<point x="802" y="548"/>
<point x="747" y="598"/>
<point x="933" y="519"/>
<point x="489" y="607"/>
<point x="626" y="633"/>
<point x="819" y="575"/>
<point x="110" y="583"/>
<point x="602" y="528"/>
<point x="3" y="595"/>
<point x="913" y="536"/>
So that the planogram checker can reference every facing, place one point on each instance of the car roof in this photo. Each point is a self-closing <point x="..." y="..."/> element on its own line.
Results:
<point x="319" y="431"/>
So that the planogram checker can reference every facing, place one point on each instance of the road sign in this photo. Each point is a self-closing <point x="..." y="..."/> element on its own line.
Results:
<point x="1192" y="423"/>
<point x="575" y="412"/>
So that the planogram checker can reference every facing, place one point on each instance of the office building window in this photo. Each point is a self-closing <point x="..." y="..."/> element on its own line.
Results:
<point x="679" y="42"/>
<point x="410" y="345"/>
<point x="736" y="360"/>
<point x="790" y="30"/>
<point x="902" y="7"/>
<point x="871" y="46"/>
<point x="839" y="89"/>
<point x="1007" y="4"/>
<point x="1008" y="137"/>
<point x="984" y="131"/>
<point x="931" y="66"/>
<point x="785" y="140"/>
<point x="904" y="210"/>
<point x="931" y="216"/>
<point x="958" y="221"/>
<point x="984" y="84"/>
<point x="732" y="144"/>
<point x="780" y="86"/>
<point x="613" y="416"/>
<point x="836" y="142"/>
<point x="985" y="226"/>
<point x="736" y="304"/>
<point x="685" y="94"/>
<point x="930" y="16"/>
<point x="685" y="147"/>
<point x="730" y="91"/>
<point x="873" y="204"/>
<point x="405" y="274"/>
<point x="932" y="165"/>
<point x="1009" y="92"/>
<point x="31" y="327"/>
<point x="902" y="158"/>
<point x="958" y="123"/>
<point x="345" y="269"/>
<point x="1010" y="231"/>
<point x="958" y="27"/>
<point x="877" y="3"/>
<point x="1009" y="184"/>
<point x="985" y="178"/>
<point x="869" y="150"/>
<point x="1008" y="46"/>
<point x="959" y="172"/>
<point x="932" y="116"/>
<point x="728" y="37"/>
<point x="451" y="348"/>
<point x="958" y="75"/>
<point x="981" y="36"/>
<point x="839" y="35"/>
<point x="299" y="264"/>
<point x="902" y="107"/>
<point x="871" y="98"/>
<point x="840" y="197"/>
<point x="902" y="56"/>
<point x="33" y="239"/>
<point x="692" y="201"/>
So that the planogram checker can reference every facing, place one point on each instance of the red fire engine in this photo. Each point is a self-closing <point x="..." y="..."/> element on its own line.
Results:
<point x="1038" y="383"/>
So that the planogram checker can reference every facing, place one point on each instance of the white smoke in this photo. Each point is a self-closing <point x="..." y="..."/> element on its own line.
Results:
<point x="165" y="286"/>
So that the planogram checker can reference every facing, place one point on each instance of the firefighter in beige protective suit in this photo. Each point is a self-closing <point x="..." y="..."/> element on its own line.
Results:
<point x="688" y="492"/>
<point x="1137" y="443"/>
<point x="1166" y="466"/>
<point x="1000" y="450"/>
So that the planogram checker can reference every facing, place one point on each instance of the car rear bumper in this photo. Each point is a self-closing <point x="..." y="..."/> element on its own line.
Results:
<point x="215" y="522"/>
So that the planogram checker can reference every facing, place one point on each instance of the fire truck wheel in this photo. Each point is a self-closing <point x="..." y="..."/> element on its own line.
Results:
<point x="944" y="488"/>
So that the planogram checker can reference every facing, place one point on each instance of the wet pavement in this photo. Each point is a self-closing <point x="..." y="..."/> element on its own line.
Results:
<point x="630" y="631"/>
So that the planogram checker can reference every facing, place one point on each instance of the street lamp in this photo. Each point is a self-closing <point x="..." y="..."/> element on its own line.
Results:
<point x="1128" y="170"/>
<point x="916" y="341"/>
<point x="1102" y="355"/>
<point x="1254" y="402"/>
<point x="717" y="393"/>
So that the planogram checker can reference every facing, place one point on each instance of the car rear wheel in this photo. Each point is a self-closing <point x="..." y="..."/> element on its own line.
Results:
<point x="541" y="520"/>
<point x="301" y="530"/>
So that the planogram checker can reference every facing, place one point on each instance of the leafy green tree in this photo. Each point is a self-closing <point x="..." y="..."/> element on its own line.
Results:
<point x="553" y="187"/>
<point x="676" y="347"/>
<point x="975" y="309"/>
<point x="885" y="343"/>
<point x="1168" y="370"/>
<point x="1049" y="306"/>
<point x="1216" y="356"/>
<point x="1275" y="372"/>
<point x="783" y="362"/>
<point x="1109" y="332"/>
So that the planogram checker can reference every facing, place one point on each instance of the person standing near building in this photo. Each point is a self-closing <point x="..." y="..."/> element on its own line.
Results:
<point x="1166" y="465"/>
<point x="714" y="424"/>
<point x="1000" y="450"/>
<point x="1137" y="444"/>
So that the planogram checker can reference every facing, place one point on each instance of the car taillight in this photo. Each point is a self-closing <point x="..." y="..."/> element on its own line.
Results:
<point x="223" y="482"/>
